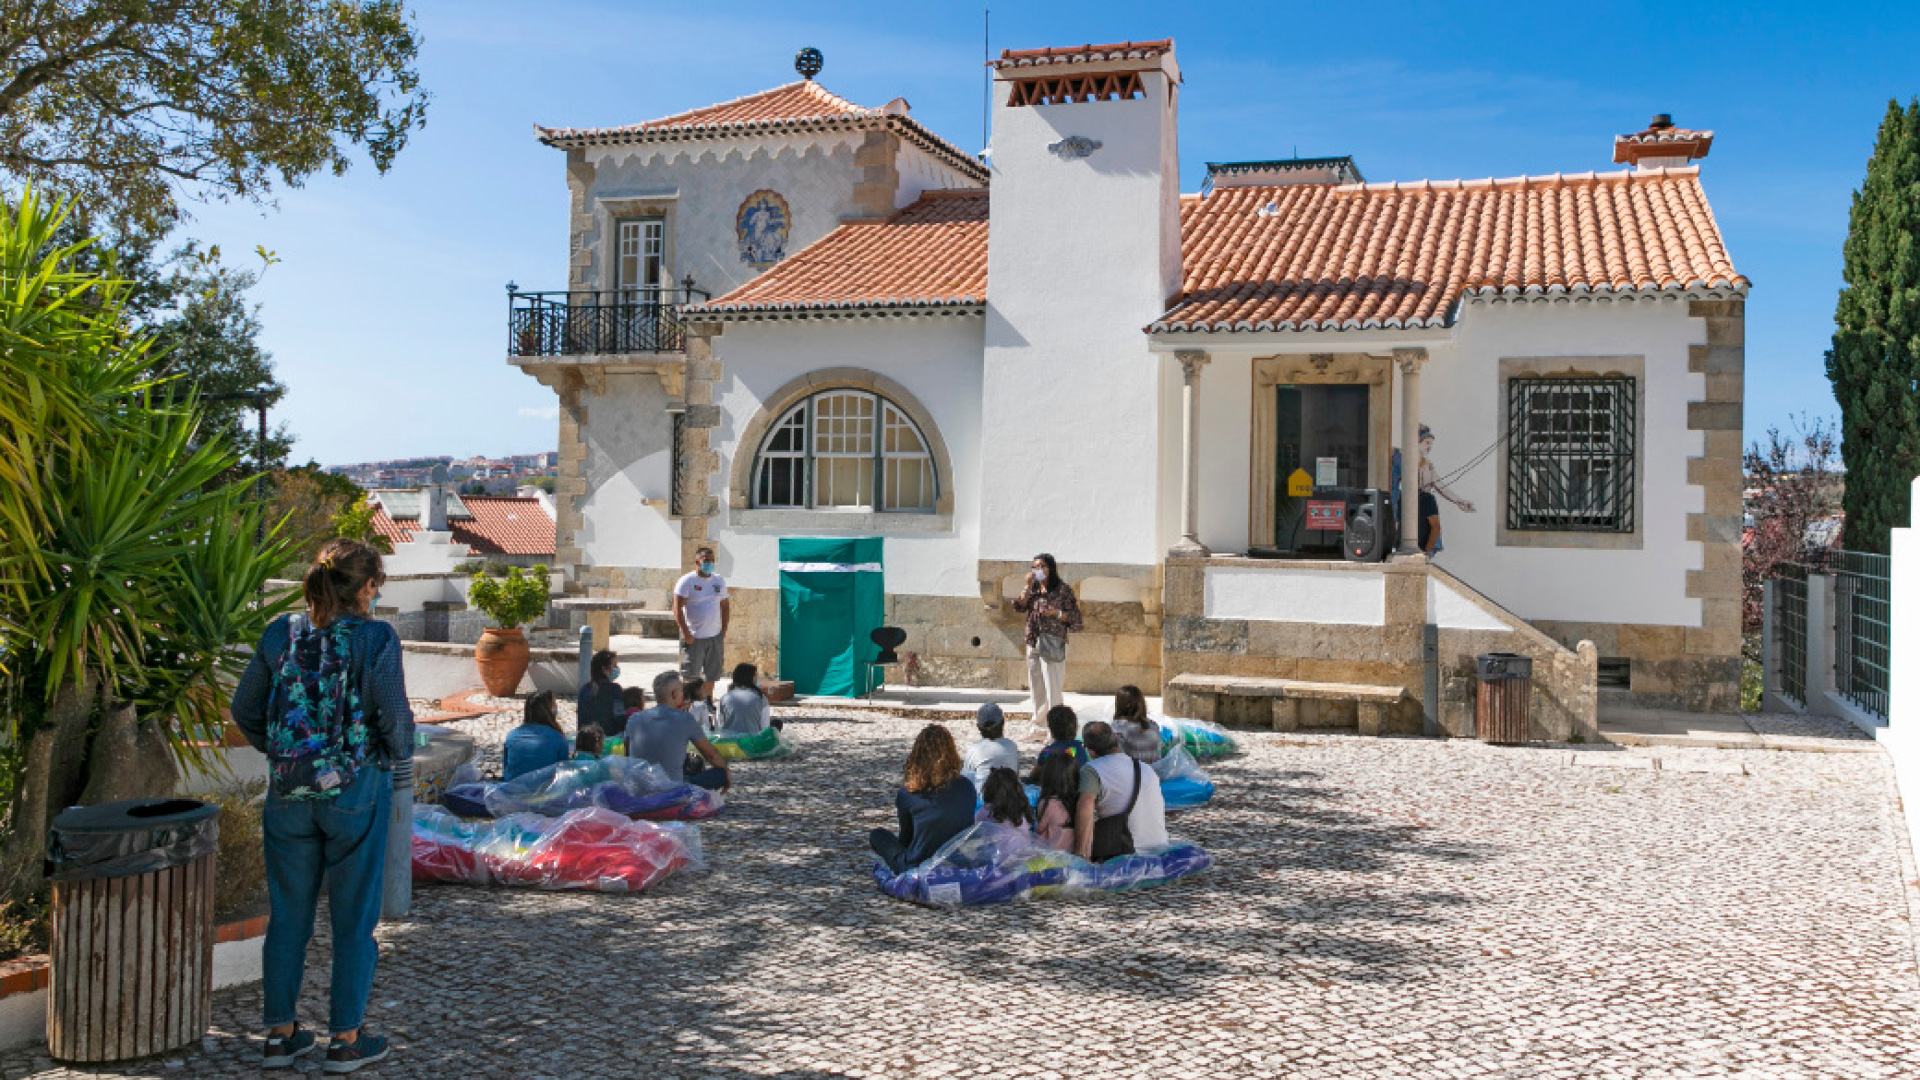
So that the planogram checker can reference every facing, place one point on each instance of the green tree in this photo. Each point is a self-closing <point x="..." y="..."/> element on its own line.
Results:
<point x="355" y="522"/>
<point x="1875" y="360"/>
<point x="128" y="570"/>
<point x="124" y="103"/>
<point x="308" y="501"/>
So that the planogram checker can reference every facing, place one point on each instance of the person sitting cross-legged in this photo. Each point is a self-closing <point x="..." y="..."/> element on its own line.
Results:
<point x="1003" y="801"/>
<point x="935" y="803"/>
<point x="743" y="709"/>
<point x="1063" y="724"/>
<point x="992" y="750"/>
<point x="1120" y="808"/>
<point x="662" y="734"/>
<point x="1059" y="797"/>
<point x="1139" y="732"/>
<point x="588" y="745"/>
<point x="538" y="742"/>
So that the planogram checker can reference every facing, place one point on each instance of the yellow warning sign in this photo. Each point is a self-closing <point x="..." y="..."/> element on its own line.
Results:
<point x="1300" y="483"/>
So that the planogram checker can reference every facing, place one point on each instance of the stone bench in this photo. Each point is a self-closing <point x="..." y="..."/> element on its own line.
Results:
<point x="599" y="613"/>
<point x="1371" y="702"/>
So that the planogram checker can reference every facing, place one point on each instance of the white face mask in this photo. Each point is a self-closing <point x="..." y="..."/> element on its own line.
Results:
<point x="1039" y="573"/>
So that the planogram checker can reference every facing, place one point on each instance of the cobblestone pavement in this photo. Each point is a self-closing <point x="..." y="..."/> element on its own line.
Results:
<point x="1381" y="908"/>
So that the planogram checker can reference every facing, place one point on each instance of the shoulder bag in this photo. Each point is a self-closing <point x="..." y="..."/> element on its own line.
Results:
<point x="1111" y="835"/>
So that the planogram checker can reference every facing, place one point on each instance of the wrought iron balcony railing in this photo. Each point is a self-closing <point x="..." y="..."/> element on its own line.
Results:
<point x="585" y="323"/>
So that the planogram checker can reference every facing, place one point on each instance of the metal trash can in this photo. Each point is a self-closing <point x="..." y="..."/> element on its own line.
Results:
<point x="132" y="928"/>
<point x="1503" y="710"/>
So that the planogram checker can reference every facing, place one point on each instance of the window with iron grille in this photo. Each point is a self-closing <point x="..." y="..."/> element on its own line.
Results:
<point x="845" y="450"/>
<point x="1570" y="454"/>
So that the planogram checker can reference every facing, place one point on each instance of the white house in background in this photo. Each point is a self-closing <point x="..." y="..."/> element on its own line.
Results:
<point x="1064" y="353"/>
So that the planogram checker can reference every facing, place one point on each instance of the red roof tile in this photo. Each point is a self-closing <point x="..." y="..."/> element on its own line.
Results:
<point x="797" y="106"/>
<point x="933" y="254"/>
<point x="499" y="525"/>
<point x="1082" y="54"/>
<point x="1324" y="256"/>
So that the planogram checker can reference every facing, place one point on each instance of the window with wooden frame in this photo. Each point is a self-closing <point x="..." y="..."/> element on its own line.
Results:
<point x="640" y="253"/>
<point x="1570" y="454"/>
<point x="845" y="450"/>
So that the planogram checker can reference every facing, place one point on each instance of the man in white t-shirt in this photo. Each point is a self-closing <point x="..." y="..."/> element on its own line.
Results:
<point x="1113" y="784"/>
<point x="702" y="610"/>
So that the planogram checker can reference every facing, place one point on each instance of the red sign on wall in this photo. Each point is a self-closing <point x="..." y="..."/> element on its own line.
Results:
<point x="1324" y="515"/>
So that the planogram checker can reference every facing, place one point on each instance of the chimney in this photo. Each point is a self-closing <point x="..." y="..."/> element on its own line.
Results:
<point x="1661" y="145"/>
<point x="433" y="508"/>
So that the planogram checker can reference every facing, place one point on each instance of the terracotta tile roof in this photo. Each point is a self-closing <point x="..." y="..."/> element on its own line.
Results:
<point x="795" y="107"/>
<point x="498" y="525"/>
<point x="1661" y="140"/>
<point x="930" y="256"/>
<point x="1324" y="256"/>
<point x="1082" y="54"/>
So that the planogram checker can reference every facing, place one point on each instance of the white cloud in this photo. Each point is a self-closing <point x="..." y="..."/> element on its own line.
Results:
<point x="551" y="412"/>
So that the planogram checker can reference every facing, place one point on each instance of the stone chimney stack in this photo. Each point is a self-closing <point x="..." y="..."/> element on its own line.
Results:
<point x="433" y="508"/>
<point x="1661" y="145"/>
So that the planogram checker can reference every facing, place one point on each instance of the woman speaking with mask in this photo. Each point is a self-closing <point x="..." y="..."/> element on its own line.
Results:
<point x="1052" y="613"/>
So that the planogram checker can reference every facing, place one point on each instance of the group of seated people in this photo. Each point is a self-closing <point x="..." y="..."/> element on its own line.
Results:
<point x="1099" y="795"/>
<point x="672" y="734"/>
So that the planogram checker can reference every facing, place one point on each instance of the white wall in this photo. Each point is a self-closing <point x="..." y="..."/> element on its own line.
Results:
<point x="1276" y="592"/>
<point x="1902" y="731"/>
<point x="1462" y="399"/>
<point x="628" y="435"/>
<point x="1083" y="253"/>
<point x="937" y="360"/>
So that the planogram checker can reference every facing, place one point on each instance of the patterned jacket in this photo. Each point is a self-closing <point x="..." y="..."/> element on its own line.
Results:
<point x="376" y="664"/>
<point x="1064" y="612"/>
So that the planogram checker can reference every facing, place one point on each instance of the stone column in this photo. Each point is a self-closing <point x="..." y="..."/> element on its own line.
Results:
<point x="1191" y="361"/>
<point x="1410" y="361"/>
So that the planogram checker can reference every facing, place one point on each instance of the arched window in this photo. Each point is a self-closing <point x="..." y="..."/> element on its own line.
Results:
<point x="845" y="450"/>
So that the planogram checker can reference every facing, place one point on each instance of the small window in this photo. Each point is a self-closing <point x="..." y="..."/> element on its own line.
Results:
<point x="845" y="450"/>
<point x="1570" y="454"/>
<point x="640" y="262"/>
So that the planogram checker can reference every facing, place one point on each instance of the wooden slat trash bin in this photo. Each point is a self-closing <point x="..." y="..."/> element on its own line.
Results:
<point x="1503" y="710"/>
<point x="132" y="928"/>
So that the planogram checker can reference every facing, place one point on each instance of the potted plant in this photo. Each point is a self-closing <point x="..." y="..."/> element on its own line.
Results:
<point x="511" y="602"/>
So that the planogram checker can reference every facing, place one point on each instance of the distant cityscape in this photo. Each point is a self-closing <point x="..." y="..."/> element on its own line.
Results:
<point x="474" y="475"/>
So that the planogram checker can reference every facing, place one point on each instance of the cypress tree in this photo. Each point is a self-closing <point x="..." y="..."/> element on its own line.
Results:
<point x="1875" y="360"/>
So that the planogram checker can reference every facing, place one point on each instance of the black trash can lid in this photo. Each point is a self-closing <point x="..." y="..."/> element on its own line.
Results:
<point x="136" y="836"/>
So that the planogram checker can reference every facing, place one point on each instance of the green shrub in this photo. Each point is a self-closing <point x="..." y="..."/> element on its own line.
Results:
<point x="23" y="926"/>
<point x="515" y="600"/>
<point x="240" y="863"/>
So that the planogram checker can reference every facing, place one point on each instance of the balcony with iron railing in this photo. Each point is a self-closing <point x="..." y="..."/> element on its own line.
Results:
<point x="585" y="322"/>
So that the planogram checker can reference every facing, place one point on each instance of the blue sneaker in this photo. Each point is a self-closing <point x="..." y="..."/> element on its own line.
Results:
<point x="344" y="1057"/>
<point x="282" y="1049"/>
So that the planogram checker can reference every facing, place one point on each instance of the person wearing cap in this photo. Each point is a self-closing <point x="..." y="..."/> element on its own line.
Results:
<point x="993" y="750"/>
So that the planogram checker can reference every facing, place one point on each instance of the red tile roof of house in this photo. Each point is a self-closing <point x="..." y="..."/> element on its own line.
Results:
<point x="804" y="106"/>
<point x="1082" y="54"/>
<point x="1325" y="256"/>
<point x="499" y="525"/>
<point x="930" y="256"/>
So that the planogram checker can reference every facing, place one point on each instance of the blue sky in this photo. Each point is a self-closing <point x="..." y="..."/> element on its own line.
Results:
<point x="386" y="313"/>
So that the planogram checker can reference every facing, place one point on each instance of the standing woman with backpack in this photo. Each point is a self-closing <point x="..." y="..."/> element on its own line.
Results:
<point x="324" y="699"/>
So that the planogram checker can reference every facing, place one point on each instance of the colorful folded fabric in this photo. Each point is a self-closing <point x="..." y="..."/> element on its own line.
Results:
<point x="994" y="864"/>
<point x="592" y="849"/>
<point x="627" y="786"/>
<point x="765" y="743"/>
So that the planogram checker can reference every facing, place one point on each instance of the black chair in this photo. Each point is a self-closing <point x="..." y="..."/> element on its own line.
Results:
<point x="888" y="638"/>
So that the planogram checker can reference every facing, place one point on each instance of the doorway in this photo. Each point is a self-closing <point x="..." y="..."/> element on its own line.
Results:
<point x="1320" y="438"/>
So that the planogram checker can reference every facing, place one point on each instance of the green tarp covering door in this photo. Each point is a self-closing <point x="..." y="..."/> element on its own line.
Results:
<point x="832" y="596"/>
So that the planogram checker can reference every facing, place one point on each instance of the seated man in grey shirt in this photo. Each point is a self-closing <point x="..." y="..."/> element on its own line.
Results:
<point x="662" y="734"/>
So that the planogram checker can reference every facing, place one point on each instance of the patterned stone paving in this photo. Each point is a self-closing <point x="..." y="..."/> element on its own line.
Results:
<point x="1382" y="908"/>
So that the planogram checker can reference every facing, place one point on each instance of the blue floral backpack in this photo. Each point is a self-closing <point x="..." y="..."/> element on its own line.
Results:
<point x="317" y="737"/>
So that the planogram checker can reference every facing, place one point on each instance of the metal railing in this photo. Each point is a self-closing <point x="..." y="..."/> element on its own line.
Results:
<point x="1791" y="589"/>
<point x="1862" y="628"/>
<point x="587" y="323"/>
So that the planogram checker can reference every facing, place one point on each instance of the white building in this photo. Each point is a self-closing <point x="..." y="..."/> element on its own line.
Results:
<point x="1066" y="354"/>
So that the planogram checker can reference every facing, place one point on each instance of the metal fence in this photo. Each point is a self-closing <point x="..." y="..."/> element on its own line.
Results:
<point x="1862" y="634"/>
<point x="586" y="323"/>
<point x="1791" y="589"/>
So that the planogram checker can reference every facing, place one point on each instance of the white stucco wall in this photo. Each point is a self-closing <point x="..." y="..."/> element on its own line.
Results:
<point x="1463" y="400"/>
<point x="920" y="171"/>
<point x="1449" y="610"/>
<point x="628" y="435"/>
<point x="1083" y="253"/>
<point x="937" y="360"/>
<point x="1902" y="731"/>
<point x="1276" y="592"/>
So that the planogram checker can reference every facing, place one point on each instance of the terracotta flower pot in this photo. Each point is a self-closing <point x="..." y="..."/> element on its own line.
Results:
<point x="501" y="657"/>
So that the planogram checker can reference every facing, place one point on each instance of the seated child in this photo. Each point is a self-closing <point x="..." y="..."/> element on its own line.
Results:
<point x="1064" y="726"/>
<point x="588" y="745"/>
<point x="1059" y="792"/>
<point x="993" y="750"/>
<point x="1003" y="800"/>
<point x="700" y="702"/>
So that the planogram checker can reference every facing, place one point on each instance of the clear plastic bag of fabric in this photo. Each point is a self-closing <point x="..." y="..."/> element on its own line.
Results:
<point x="1182" y="784"/>
<point x="991" y="863"/>
<point x="593" y="849"/>
<point x="627" y="786"/>
<point x="768" y="743"/>
<point x="1198" y="737"/>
